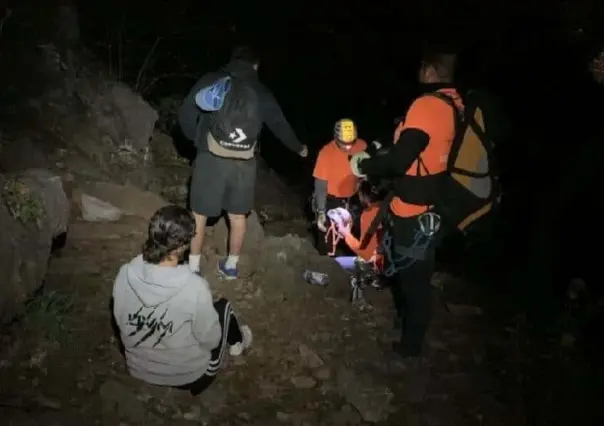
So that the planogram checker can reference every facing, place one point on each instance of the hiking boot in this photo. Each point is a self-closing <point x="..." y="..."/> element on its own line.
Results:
<point x="226" y="273"/>
<point x="238" y="348"/>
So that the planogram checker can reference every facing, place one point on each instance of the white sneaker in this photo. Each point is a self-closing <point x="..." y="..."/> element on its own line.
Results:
<point x="238" y="348"/>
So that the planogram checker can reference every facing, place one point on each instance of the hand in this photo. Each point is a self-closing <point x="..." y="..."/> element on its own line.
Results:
<point x="322" y="221"/>
<point x="355" y="161"/>
<point x="344" y="229"/>
<point x="304" y="152"/>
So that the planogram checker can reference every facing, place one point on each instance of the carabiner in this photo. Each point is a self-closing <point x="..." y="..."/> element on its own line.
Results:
<point x="429" y="223"/>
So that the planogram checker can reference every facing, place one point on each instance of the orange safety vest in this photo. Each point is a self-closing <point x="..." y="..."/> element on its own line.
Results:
<point x="433" y="116"/>
<point x="333" y="166"/>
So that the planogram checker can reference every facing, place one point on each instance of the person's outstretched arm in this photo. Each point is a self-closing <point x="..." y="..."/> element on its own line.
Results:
<point x="276" y="121"/>
<point x="399" y="158"/>
<point x="413" y="139"/>
<point x="355" y="245"/>
<point x="321" y="175"/>
<point x="320" y="194"/>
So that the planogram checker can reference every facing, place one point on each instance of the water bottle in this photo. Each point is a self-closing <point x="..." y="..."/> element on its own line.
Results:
<point x="316" y="278"/>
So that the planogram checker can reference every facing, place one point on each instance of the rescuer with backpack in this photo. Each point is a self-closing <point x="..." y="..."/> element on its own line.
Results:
<point x="442" y="181"/>
<point x="223" y="114"/>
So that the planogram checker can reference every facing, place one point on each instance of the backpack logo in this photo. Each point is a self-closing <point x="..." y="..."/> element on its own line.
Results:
<point x="237" y="124"/>
<point x="237" y="136"/>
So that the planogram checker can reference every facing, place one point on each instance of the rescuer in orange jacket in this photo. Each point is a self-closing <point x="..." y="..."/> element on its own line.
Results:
<point x="335" y="185"/>
<point x="416" y="162"/>
<point x="366" y="265"/>
<point x="370" y="197"/>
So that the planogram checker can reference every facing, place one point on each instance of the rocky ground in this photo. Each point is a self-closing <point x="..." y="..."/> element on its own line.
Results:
<point x="316" y="360"/>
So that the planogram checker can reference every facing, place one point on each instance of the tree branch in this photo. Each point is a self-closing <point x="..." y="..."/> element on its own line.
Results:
<point x="145" y="64"/>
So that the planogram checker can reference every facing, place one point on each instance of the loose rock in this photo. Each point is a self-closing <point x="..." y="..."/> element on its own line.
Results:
<point x="194" y="413"/>
<point x="214" y="399"/>
<point x="373" y="401"/>
<point x="322" y="373"/>
<point x="128" y="199"/>
<point x="310" y="357"/>
<point x="303" y="382"/>
<point x="97" y="210"/>
<point x="118" y="398"/>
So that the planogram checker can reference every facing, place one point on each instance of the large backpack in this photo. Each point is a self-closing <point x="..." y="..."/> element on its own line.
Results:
<point x="470" y="191"/>
<point x="235" y="127"/>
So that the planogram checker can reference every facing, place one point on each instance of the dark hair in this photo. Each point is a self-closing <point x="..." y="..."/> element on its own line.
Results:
<point x="443" y="63"/>
<point x="246" y="54"/>
<point x="372" y="191"/>
<point x="170" y="228"/>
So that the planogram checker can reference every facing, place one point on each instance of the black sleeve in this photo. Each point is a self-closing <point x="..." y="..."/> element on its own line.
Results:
<point x="276" y="121"/>
<point x="400" y="156"/>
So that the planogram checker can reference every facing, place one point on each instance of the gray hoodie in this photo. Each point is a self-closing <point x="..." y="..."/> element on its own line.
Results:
<point x="167" y="322"/>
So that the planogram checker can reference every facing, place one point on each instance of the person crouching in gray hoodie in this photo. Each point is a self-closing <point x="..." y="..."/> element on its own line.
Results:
<point x="173" y="333"/>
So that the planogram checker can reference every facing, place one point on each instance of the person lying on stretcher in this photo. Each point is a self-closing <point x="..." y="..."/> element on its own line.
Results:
<point x="368" y="262"/>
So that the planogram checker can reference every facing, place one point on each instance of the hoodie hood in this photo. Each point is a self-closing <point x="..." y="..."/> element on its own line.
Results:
<point x="154" y="284"/>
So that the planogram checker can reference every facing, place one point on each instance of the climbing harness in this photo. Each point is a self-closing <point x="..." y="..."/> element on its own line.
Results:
<point x="429" y="225"/>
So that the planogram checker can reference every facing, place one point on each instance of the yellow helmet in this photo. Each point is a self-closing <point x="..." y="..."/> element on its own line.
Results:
<point x="345" y="131"/>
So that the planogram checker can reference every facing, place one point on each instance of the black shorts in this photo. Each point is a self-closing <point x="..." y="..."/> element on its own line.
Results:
<point x="222" y="184"/>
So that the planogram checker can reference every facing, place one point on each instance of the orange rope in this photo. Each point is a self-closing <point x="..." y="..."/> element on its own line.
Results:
<point x="335" y="238"/>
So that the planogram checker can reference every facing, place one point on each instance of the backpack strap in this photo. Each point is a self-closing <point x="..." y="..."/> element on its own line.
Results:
<point x="461" y="119"/>
<point x="378" y="219"/>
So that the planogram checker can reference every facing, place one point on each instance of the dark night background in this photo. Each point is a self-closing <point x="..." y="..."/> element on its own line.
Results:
<point x="328" y="60"/>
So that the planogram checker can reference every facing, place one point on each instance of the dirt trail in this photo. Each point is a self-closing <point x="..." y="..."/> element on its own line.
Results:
<point x="315" y="360"/>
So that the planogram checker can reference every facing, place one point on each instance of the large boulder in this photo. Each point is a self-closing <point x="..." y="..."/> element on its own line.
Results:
<point x="120" y="113"/>
<point x="34" y="210"/>
<point x="129" y="199"/>
<point x="114" y="132"/>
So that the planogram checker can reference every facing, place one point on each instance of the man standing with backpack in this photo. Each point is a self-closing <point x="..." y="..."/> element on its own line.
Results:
<point x="441" y="169"/>
<point x="223" y="114"/>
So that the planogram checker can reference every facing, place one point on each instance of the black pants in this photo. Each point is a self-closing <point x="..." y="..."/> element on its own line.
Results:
<point x="326" y="247"/>
<point x="412" y="290"/>
<point x="231" y="334"/>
